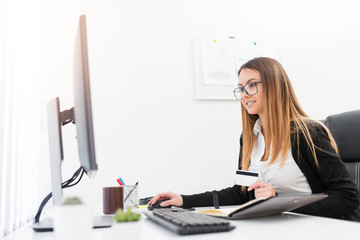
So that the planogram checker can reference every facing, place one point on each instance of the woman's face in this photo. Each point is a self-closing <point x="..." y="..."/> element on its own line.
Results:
<point x="254" y="104"/>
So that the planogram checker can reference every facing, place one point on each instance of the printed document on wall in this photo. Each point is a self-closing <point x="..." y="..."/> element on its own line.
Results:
<point x="218" y="62"/>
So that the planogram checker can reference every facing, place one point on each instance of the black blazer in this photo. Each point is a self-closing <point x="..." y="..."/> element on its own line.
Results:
<point x="331" y="178"/>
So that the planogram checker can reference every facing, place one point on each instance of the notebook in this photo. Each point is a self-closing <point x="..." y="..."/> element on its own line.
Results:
<point x="261" y="207"/>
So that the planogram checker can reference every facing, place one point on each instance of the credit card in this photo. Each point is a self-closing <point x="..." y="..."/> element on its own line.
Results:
<point x="245" y="178"/>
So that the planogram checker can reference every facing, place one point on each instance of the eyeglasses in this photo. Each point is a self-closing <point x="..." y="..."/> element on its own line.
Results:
<point x="250" y="89"/>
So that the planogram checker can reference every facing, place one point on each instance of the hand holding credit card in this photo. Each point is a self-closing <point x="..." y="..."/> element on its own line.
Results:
<point x="245" y="178"/>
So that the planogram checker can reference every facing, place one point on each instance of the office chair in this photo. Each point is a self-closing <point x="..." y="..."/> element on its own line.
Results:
<point x="345" y="128"/>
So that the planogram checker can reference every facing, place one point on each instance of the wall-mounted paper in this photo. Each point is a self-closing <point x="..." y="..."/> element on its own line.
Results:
<point x="217" y="61"/>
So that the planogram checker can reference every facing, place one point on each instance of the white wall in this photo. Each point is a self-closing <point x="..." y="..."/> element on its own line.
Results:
<point x="149" y="125"/>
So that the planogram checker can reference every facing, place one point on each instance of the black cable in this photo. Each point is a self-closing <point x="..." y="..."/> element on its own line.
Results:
<point x="82" y="173"/>
<point x="65" y="184"/>
<point x="75" y="175"/>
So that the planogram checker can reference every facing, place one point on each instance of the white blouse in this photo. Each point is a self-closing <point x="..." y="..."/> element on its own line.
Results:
<point x="286" y="179"/>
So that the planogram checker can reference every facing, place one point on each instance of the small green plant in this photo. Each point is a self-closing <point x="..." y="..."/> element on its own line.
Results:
<point x="72" y="201"/>
<point x="128" y="216"/>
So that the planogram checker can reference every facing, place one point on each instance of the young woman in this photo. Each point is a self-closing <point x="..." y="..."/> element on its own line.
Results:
<point x="291" y="152"/>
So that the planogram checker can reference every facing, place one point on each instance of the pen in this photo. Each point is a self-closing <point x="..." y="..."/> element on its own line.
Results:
<point x="127" y="196"/>
<point x="123" y="183"/>
<point x="120" y="183"/>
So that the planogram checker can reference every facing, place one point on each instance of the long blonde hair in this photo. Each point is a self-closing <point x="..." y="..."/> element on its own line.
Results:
<point x="283" y="113"/>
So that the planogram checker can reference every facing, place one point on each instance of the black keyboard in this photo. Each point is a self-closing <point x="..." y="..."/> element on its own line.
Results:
<point x="184" y="222"/>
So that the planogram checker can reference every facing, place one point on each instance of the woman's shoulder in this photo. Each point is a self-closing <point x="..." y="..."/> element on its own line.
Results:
<point x="317" y="126"/>
<point x="313" y="127"/>
<point x="312" y="123"/>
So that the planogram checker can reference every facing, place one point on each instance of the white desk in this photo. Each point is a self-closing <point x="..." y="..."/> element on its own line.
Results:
<point x="285" y="226"/>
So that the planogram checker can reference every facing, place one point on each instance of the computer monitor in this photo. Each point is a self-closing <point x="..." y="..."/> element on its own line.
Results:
<point x="80" y="115"/>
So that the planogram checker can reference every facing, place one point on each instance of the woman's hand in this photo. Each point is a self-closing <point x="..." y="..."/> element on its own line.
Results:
<point x="173" y="199"/>
<point x="262" y="189"/>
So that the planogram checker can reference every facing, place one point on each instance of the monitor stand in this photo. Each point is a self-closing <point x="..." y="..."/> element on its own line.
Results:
<point x="46" y="225"/>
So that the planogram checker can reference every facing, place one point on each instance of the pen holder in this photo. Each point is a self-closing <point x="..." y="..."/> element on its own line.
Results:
<point x="120" y="197"/>
<point x="131" y="198"/>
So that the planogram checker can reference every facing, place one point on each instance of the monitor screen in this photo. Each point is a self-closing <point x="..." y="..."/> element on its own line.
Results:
<point x="82" y="108"/>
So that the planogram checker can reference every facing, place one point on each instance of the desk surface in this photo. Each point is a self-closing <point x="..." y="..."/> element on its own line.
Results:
<point x="285" y="226"/>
